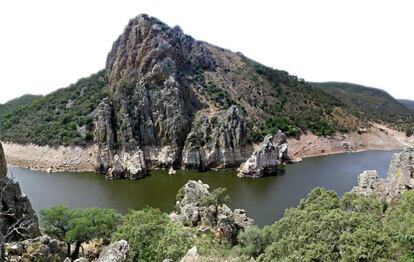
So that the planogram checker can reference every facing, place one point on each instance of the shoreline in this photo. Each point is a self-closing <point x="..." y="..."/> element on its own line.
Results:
<point x="79" y="159"/>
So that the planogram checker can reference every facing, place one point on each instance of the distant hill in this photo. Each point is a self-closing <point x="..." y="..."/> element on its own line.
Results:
<point x="370" y="103"/>
<point x="409" y="104"/>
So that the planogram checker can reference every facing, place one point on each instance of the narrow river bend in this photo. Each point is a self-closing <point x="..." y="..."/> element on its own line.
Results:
<point x="265" y="199"/>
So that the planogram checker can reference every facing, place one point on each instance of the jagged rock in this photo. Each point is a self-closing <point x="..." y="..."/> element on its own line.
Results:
<point x="220" y="141"/>
<point x="18" y="220"/>
<point x="115" y="252"/>
<point x="81" y="259"/>
<point x="193" y="210"/>
<point x="266" y="159"/>
<point x="171" y="171"/>
<point x="191" y="256"/>
<point x="39" y="249"/>
<point x="400" y="178"/>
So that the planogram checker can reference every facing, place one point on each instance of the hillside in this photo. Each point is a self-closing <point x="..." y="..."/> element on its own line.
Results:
<point x="165" y="99"/>
<point x="409" y="104"/>
<point x="13" y="104"/>
<point x="370" y="104"/>
<point x="60" y="118"/>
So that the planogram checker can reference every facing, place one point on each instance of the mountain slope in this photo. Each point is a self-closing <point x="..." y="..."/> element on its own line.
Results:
<point x="60" y="118"/>
<point x="370" y="104"/>
<point x="13" y="104"/>
<point x="166" y="99"/>
<point x="409" y="104"/>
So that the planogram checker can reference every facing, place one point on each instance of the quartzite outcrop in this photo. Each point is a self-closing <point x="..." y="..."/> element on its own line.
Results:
<point x="18" y="221"/>
<point x="400" y="178"/>
<point x="155" y="116"/>
<point x="267" y="158"/>
<point x="193" y="210"/>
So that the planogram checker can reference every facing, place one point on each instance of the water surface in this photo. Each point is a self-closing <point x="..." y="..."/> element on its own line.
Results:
<point x="265" y="199"/>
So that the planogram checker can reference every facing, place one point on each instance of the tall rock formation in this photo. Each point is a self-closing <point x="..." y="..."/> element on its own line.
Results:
<point x="18" y="221"/>
<point x="155" y="116"/>
<point x="400" y="178"/>
<point x="266" y="159"/>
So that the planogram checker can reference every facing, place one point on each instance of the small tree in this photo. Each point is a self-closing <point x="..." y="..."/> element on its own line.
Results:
<point x="77" y="226"/>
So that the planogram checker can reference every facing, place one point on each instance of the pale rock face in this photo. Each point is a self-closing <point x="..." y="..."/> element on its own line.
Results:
<point x="191" y="256"/>
<point x="265" y="160"/>
<point x="221" y="219"/>
<point x="115" y="252"/>
<point x="129" y="165"/>
<point x="400" y="178"/>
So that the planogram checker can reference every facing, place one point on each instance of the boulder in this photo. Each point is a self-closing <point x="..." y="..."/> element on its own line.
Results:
<point x="115" y="252"/>
<point x="192" y="210"/>
<point x="400" y="178"/>
<point x="39" y="249"/>
<point x="191" y="256"/>
<point x="272" y="152"/>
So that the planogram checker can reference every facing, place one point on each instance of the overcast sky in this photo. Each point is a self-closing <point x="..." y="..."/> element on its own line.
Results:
<point x="46" y="45"/>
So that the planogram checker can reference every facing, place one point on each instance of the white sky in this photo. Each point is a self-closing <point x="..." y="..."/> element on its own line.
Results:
<point x="46" y="45"/>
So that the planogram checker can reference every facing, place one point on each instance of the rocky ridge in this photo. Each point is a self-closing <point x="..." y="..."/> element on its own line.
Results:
<point x="400" y="178"/>
<point x="193" y="210"/>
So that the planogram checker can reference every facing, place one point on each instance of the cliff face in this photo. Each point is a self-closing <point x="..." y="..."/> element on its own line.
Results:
<point x="18" y="221"/>
<point x="154" y="117"/>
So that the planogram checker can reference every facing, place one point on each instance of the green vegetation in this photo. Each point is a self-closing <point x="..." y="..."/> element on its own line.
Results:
<point x="60" y="118"/>
<point x="77" y="226"/>
<point x="152" y="236"/>
<point x="15" y="103"/>
<point x="324" y="227"/>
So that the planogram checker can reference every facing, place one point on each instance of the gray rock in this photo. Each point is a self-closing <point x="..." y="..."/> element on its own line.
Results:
<point x="81" y="259"/>
<point x="400" y="178"/>
<point x="192" y="210"/>
<point x="265" y="160"/>
<point x="18" y="220"/>
<point x="115" y="252"/>
<point x="191" y="256"/>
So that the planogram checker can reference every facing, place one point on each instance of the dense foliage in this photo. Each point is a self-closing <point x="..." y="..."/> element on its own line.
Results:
<point x="324" y="227"/>
<point x="152" y="236"/>
<point x="76" y="226"/>
<point x="60" y="118"/>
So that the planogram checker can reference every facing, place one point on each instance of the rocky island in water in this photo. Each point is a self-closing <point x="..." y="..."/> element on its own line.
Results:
<point x="167" y="101"/>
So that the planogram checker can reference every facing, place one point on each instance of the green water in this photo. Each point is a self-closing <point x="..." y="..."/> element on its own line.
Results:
<point x="265" y="199"/>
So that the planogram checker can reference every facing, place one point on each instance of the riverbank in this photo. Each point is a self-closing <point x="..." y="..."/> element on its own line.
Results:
<point x="378" y="137"/>
<point x="78" y="159"/>
<point x="50" y="159"/>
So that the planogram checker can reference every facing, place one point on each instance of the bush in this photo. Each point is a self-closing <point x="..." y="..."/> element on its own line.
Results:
<point x="77" y="226"/>
<point x="152" y="236"/>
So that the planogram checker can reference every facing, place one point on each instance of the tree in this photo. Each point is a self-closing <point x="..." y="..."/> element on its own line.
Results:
<point x="326" y="228"/>
<point x="77" y="226"/>
<point x="152" y="236"/>
<point x="400" y="222"/>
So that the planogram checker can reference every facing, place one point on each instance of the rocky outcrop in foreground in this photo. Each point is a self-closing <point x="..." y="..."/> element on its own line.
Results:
<point x="18" y="220"/>
<point x="194" y="209"/>
<point x="265" y="160"/>
<point x="400" y="178"/>
<point x="115" y="252"/>
<point x="39" y="249"/>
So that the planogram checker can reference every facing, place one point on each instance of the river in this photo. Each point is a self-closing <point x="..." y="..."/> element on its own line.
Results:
<point x="265" y="199"/>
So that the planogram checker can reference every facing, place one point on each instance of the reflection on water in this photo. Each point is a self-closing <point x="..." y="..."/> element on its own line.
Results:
<point x="265" y="199"/>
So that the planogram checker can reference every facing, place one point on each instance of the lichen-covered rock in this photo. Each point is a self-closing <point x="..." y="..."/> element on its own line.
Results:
<point x="191" y="255"/>
<point x="39" y="249"/>
<point x="115" y="252"/>
<point x="400" y="178"/>
<point x="18" y="220"/>
<point x="266" y="159"/>
<point x="192" y="210"/>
